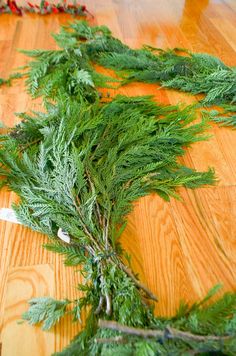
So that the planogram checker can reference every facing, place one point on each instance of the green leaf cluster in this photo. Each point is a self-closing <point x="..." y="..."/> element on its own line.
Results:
<point x="45" y="310"/>
<point x="224" y="117"/>
<point x="99" y="158"/>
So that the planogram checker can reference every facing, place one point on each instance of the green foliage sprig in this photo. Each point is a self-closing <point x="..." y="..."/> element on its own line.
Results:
<point x="224" y="117"/>
<point x="46" y="310"/>
<point x="9" y="80"/>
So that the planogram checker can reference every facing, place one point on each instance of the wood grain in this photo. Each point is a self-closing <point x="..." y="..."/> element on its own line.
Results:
<point x="180" y="249"/>
<point x="24" y="283"/>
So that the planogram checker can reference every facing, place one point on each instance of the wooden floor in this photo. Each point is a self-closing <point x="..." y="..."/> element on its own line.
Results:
<point x="180" y="249"/>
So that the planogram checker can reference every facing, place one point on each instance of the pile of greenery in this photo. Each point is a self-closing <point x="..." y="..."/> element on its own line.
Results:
<point x="77" y="168"/>
<point x="83" y="46"/>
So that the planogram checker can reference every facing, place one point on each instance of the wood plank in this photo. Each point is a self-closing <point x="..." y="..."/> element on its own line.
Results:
<point x="197" y="220"/>
<point x="227" y="29"/>
<point x="6" y="229"/>
<point x="24" y="283"/>
<point x="160" y="252"/>
<point x="217" y="152"/>
<point x="66" y="281"/>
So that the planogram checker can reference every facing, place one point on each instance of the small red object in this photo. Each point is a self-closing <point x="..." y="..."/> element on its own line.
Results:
<point x="14" y="8"/>
<point x="46" y="7"/>
<point x="55" y="10"/>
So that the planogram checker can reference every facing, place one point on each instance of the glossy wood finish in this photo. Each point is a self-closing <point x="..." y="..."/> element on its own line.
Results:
<point x="181" y="248"/>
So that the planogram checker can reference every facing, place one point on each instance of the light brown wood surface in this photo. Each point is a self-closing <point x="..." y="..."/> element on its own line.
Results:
<point x="180" y="249"/>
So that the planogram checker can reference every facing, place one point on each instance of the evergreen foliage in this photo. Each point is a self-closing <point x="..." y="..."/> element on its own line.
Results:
<point x="79" y="166"/>
<point x="82" y="46"/>
<point x="80" y="170"/>
<point x="70" y="71"/>
<point x="11" y="77"/>
<point x="224" y="117"/>
<point x="46" y="310"/>
<point x="170" y="336"/>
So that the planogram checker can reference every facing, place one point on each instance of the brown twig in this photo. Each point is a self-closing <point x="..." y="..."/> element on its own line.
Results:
<point x="96" y="203"/>
<point x="100" y="305"/>
<point x="138" y="283"/>
<point x="84" y="226"/>
<point x="102" y="222"/>
<point x="29" y="144"/>
<point x="117" y="339"/>
<point x="168" y="333"/>
<point x="107" y="296"/>
<point x="106" y="230"/>
<point x="108" y="302"/>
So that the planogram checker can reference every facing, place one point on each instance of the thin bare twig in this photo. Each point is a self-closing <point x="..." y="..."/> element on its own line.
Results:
<point x="138" y="283"/>
<point x="100" y="305"/>
<point x="168" y="333"/>
<point x="107" y="296"/>
<point x="29" y="144"/>
<point x="84" y="226"/>
<point x="108" y="302"/>
<point x="117" y="339"/>
<point x="96" y="203"/>
<point x="106" y="230"/>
